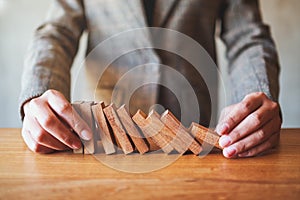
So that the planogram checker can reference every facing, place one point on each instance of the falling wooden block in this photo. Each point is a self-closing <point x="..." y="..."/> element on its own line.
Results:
<point x="76" y="106"/>
<point x="167" y="133"/>
<point x="118" y="129"/>
<point x="203" y="134"/>
<point x="151" y="131"/>
<point x="86" y="114"/>
<point x="132" y="130"/>
<point x="181" y="132"/>
<point x="102" y="128"/>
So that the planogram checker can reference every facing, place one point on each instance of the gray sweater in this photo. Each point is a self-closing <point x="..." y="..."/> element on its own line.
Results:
<point x="253" y="62"/>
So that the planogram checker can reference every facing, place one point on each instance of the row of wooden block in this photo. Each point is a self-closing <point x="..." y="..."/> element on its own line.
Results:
<point x="114" y="127"/>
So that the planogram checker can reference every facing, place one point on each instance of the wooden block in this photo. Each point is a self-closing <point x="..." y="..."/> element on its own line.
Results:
<point x="118" y="129"/>
<point x="174" y="124"/>
<point x="167" y="133"/>
<point x="102" y="128"/>
<point x="203" y="134"/>
<point x="86" y="114"/>
<point x="132" y="131"/>
<point x="76" y="106"/>
<point x="151" y="131"/>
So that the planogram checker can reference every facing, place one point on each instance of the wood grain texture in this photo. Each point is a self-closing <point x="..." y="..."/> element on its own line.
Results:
<point x="132" y="131"/>
<point x="151" y="131"/>
<point x="167" y="133"/>
<point x="76" y="106"/>
<point x="118" y="130"/>
<point x="26" y="175"/>
<point x="86" y="114"/>
<point x="203" y="134"/>
<point x="181" y="132"/>
<point x="102" y="128"/>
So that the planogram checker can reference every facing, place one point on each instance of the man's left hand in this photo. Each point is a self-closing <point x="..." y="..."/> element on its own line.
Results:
<point x="250" y="127"/>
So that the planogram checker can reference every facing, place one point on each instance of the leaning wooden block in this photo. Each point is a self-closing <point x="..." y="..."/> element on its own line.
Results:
<point x="118" y="129"/>
<point x="151" y="131"/>
<point x="132" y="130"/>
<point x="167" y="133"/>
<point x="76" y="106"/>
<point x="181" y="132"/>
<point x="102" y="128"/>
<point x="86" y="114"/>
<point x="203" y="134"/>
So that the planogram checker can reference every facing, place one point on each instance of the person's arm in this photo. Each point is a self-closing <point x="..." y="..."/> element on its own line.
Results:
<point x="48" y="118"/>
<point x="251" y="125"/>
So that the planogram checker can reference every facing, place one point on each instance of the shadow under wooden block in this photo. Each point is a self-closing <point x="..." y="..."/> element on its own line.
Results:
<point x="132" y="131"/>
<point x="76" y="107"/>
<point x="86" y="114"/>
<point x="151" y="131"/>
<point x="181" y="132"/>
<point x="118" y="129"/>
<point x="102" y="128"/>
<point x="167" y="133"/>
<point x="203" y="134"/>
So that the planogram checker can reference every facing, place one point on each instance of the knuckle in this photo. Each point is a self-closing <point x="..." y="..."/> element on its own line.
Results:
<point x="261" y="134"/>
<point x="64" y="108"/>
<point x="231" y="120"/>
<point x="256" y="119"/>
<point x="246" y="105"/>
<point x="241" y="147"/>
<point x="236" y="135"/>
<point x="50" y="92"/>
<point x="35" y="102"/>
<point x="261" y="95"/>
<point x="274" y="106"/>
<point x="48" y="121"/>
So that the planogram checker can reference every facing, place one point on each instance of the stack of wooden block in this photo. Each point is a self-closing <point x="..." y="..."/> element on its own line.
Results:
<point x="114" y="127"/>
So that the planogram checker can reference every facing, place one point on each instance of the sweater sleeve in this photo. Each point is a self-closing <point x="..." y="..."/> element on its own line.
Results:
<point x="251" y="52"/>
<point x="52" y="50"/>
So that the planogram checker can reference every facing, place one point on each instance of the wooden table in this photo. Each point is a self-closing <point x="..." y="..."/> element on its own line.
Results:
<point x="26" y="175"/>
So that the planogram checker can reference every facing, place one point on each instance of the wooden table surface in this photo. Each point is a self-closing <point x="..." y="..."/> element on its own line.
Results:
<point x="26" y="175"/>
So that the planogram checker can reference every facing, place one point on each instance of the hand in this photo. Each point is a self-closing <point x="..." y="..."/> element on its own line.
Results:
<point x="50" y="122"/>
<point x="250" y="127"/>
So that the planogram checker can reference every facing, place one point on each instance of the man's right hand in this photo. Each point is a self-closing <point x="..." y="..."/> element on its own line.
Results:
<point x="50" y="122"/>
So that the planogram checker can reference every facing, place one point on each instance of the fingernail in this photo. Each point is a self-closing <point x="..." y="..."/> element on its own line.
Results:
<point x="229" y="151"/>
<point x="222" y="129"/>
<point x="224" y="141"/>
<point x="76" y="144"/>
<point x="86" y="135"/>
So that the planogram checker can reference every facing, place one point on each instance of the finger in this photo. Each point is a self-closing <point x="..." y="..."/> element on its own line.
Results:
<point x="65" y="110"/>
<point x="249" y="104"/>
<point x="49" y="122"/>
<point x="254" y="139"/>
<point x="272" y="142"/>
<point x="251" y="123"/>
<point x="32" y="145"/>
<point x="41" y="136"/>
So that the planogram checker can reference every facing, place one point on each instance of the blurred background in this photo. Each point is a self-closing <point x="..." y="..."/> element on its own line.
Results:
<point x="19" y="18"/>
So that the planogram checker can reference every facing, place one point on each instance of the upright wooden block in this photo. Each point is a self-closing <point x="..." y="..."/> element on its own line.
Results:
<point x="76" y="106"/>
<point x="118" y="129"/>
<point x="151" y="131"/>
<point x="203" y="134"/>
<point x="167" y="133"/>
<point x="181" y="132"/>
<point x="102" y="128"/>
<point x="132" y="130"/>
<point x="86" y="114"/>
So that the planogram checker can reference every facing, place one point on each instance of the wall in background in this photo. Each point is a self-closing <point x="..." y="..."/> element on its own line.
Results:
<point x="18" y="18"/>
